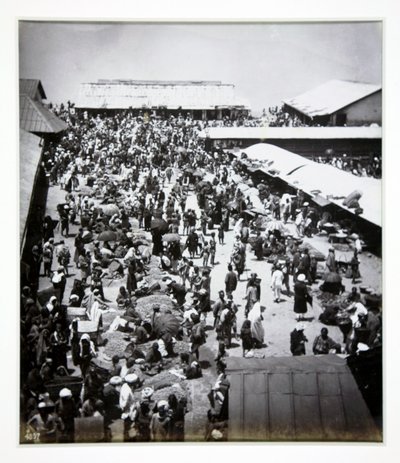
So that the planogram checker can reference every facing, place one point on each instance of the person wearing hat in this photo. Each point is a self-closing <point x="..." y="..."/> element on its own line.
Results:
<point x="127" y="403"/>
<point x="44" y="425"/>
<point x="74" y="301"/>
<point x="277" y="282"/>
<point x="298" y="340"/>
<point x="301" y="297"/>
<point x="47" y="370"/>
<point x="67" y="411"/>
<point x="160" y="423"/>
<point x="87" y="352"/>
<point x="305" y="264"/>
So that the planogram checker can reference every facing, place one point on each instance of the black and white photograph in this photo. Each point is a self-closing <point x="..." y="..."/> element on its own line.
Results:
<point x="200" y="232"/>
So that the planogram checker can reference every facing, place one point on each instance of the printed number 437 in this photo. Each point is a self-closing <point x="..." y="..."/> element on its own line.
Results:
<point x="32" y="436"/>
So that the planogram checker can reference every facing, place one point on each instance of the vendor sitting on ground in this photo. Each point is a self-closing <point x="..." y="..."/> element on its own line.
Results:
<point x="123" y="298"/>
<point x="125" y="322"/>
<point x="153" y="359"/>
<point x="132" y="351"/>
<point x="323" y="344"/>
<point x="140" y="334"/>
<point x="191" y="369"/>
<point x="166" y="345"/>
<point x="329" y="315"/>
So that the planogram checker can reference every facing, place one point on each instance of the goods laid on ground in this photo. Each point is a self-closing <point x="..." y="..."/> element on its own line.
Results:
<point x="145" y="304"/>
<point x="115" y="343"/>
<point x="108" y="317"/>
<point x="312" y="251"/>
<point x="176" y="389"/>
<point x="161" y="380"/>
<point x="330" y="299"/>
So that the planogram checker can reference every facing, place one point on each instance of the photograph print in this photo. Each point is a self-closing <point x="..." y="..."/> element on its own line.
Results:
<point x="200" y="232"/>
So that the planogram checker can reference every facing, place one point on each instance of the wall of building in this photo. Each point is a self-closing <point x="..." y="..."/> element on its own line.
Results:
<point x="125" y="95"/>
<point x="310" y="148"/>
<point x="366" y="111"/>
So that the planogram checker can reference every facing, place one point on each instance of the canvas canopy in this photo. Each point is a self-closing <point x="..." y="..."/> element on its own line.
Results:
<point x="323" y="180"/>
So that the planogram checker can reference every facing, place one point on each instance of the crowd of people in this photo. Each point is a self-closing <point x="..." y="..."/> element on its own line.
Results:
<point x="123" y="176"/>
<point x="371" y="167"/>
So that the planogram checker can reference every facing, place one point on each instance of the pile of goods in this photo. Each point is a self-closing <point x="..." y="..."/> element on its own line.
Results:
<point x="154" y="272"/>
<point x="116" y="343"/>
<point x="312" y="251"/>
<point x="329" y="299"/>
<point x="144" y="305"/>
<point x="179" y="390"/>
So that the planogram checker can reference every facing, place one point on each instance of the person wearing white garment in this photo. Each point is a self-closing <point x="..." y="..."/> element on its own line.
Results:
<point x="257" y="330"/>
<point x="276" y="283"/>
<point x="127" y="403"/>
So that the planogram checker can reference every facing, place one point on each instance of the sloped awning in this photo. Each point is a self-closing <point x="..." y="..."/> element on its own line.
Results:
<point x="29" y="157"/>
<point x="307" y="398"/>
<point x="35" y="118"/>
<point x="331" y="183"/>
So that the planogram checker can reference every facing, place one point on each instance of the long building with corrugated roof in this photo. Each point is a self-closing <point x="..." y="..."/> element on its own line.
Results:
<point x="202" y="99"/>
<point x="338" y="103"/>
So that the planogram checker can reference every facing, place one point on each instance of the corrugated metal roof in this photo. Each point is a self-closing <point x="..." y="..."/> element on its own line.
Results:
<point x="34" y="117"/>
<point x="172" y="95"/>
<point x="291" y="133"/>
<point x="311" y="176"/>
<point x="306" y="398"/>
<point x="330" y="97"/>
<point x="158" y="82"/>
<point x="30" y="87"/>
<point x="29" y="157"/>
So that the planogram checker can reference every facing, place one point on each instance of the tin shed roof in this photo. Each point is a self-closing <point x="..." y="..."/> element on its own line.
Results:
<point x="30" y="87"/>
<point x="330" y="97"/>
<point x="120" y="94"/>
<point x="307" y="398"/>
<point x="34" y="117"/>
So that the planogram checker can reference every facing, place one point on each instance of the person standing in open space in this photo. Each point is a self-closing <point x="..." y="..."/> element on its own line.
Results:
<point x="301" y="297"/>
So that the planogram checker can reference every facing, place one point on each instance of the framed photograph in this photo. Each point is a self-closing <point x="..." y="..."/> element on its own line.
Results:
<point x="200" y="231"/>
